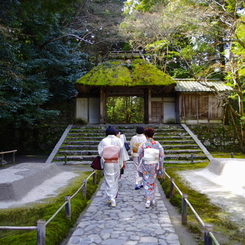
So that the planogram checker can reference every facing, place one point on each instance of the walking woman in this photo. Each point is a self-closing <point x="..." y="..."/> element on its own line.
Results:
<point x="112" y="162"/>
<point x="151" y="157"/>
<point x="125" y="156"/>
<point x="135" y="142"/>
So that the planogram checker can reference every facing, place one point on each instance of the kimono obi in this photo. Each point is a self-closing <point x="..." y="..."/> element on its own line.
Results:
<point x="151" y="156"/>
<point x="111" y="161"/>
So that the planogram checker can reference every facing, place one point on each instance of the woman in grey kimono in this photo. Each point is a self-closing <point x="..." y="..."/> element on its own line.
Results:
<point x="151" y="156"/>
<point x="111" y="167"/>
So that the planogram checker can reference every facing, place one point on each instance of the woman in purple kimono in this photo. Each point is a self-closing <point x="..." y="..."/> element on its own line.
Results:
<point x="151" y="156"/>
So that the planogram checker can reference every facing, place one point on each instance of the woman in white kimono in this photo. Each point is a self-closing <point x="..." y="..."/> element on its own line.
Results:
<point x="111" y="167"/>
<point x="135" y="142"/>
<point x="125" y="156"/>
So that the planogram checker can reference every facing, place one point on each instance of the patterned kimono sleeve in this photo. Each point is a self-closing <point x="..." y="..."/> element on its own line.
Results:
<point x="141" y="151"/>
<point x="161" y="156"/>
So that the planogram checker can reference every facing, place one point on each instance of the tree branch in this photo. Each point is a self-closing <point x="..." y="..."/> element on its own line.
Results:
<point x="68" y="35"/>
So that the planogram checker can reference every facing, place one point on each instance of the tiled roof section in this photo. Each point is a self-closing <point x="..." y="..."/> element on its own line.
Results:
<point x="200" y="86"/>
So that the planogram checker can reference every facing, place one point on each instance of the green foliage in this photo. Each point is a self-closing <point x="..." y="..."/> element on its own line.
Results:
<point x="58" y="229"/>
<point x="142" y="5"/>
<point x="125" y="110"/>
<point x="199" y="39"/>
<point x="34" y="70"/>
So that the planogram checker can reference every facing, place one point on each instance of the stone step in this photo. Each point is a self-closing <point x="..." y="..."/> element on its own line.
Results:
<point x="95" y="151"/>
<point x="129" y="127"/>
<point x="185" y="156"/>
<point x="79" y="147"/>
<point x="165" y="162"/>
<point x="185" y="146"/>
<point x="167" y="152"/>
<point x="102" y="132"/>
<point x="81" y="144"/>
<point x="81" y="153"/>
<point x="98" y="138"/>
<point x="95" y="147"/>
<point x="91" y="157"/>
<point x="96" y="142"/>
<point x="185" y="162"/>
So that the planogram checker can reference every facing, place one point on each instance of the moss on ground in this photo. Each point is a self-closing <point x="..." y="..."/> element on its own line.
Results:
<point x="58" y="229"/>
<point x="225" y="231"/>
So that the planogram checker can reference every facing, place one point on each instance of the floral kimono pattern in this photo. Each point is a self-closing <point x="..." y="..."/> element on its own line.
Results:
<point x="149" y="171"/>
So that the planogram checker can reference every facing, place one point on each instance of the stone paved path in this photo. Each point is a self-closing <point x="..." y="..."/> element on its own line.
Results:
<point x="129" y="223"/>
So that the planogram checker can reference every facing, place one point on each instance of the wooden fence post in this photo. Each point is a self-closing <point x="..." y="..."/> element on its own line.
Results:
<point x="41" y="232"/>
<point x="68" y="206"/>
<point x="95" y="177"/>
<point x="84" y="187"/>
<point x="65" y="158"/>
<point x="192" y="158"/>
<point x="184" y="209"/>
<point x="171" y="187"/>
<point x="2" y="159"/>
<point x="14" y="157"/>
<point x="164" y="177"/>
<point x="207" y="238"/>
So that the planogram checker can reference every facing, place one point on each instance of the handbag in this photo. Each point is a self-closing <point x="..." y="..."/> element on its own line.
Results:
<point x="126" y="146"/>
<point x="96" y="165"/>
<point x="122" y="171"/>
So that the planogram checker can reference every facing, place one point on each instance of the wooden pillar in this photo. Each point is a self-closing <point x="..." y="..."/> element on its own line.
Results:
<point x="149" y="105"/>
<point x="146" y="111"/>
<point x="177" y="108"/>
<point x="102" y="106"/>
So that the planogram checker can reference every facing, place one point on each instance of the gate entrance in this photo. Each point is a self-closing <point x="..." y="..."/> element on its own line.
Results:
<point x="125" y="109"/>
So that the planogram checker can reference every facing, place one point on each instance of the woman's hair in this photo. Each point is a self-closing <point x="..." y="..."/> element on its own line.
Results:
<point x="149" y="132"/>
<point x="110" y="131"/>
<point x="139" y="130"/>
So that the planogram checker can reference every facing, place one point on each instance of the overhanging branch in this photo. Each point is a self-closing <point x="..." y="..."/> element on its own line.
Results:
<point x="68" y="35"/>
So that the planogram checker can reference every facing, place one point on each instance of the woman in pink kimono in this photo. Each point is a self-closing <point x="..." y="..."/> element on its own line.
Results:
<point x="151" y="156"/>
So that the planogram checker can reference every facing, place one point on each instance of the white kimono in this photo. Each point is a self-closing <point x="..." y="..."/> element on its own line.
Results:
<point x="125" y="153"/>
<point x="136" y="140"/>
<point x="111" y="170"/>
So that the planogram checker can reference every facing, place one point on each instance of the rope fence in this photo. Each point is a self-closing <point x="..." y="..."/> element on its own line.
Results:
<point x="209" y="237"/>
<point x="42" y="224"/>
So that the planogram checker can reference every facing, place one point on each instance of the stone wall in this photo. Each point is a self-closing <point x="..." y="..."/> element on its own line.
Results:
<point x="216" y="137"/>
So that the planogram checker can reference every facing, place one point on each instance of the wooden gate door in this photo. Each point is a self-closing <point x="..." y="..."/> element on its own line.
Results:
<point x="156" y="112"/>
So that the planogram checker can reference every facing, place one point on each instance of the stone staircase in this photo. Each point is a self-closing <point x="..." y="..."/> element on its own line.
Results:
<point x="81" y="143"/>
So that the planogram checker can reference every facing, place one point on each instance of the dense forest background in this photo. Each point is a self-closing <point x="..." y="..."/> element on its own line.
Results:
<point x="46" y="45"/>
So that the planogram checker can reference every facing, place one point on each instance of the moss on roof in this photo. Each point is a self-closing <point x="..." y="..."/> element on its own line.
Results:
<point x="137" y="72"/>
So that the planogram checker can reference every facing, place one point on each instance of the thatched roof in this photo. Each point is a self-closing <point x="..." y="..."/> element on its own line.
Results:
<point x="127" y="73"/>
